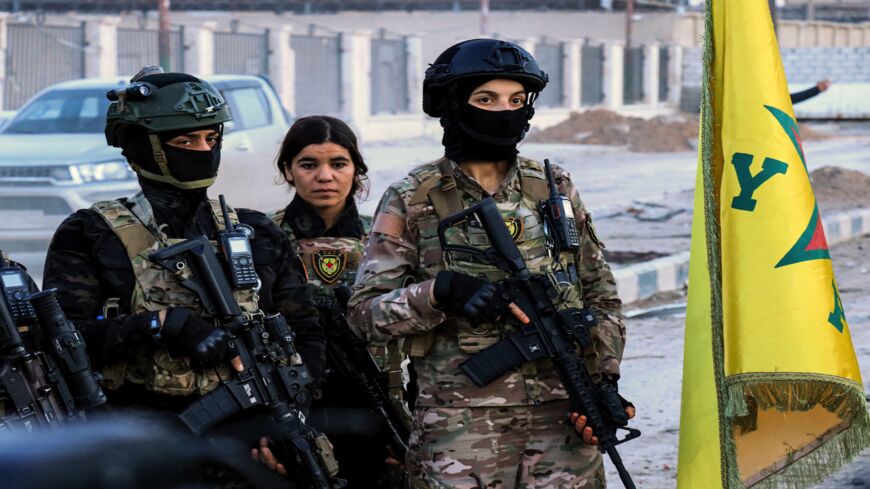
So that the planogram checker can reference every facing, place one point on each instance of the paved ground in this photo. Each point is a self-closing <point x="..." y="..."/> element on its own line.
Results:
<point x="652" y="375"/>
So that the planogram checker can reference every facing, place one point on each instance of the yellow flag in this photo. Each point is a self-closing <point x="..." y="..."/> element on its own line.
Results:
<point x="772" y="393"/>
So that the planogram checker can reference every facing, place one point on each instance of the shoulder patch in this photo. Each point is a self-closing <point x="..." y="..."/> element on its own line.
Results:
<point x="389" y="224"/>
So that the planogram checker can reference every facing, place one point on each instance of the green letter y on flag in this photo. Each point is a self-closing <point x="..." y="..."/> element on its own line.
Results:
<point x="772" y="393"/>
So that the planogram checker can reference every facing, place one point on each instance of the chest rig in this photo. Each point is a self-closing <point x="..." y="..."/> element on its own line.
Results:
<point x="155" y="289"/>
<point x="329" y="262"/>
<point x="438" y="197"/>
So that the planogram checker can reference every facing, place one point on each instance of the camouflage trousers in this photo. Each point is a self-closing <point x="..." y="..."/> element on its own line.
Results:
<point x="517" y="447"/>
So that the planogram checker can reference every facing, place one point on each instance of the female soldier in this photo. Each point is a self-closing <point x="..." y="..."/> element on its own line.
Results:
<point x="320" y="159"/>
<point x="512" y="432"/>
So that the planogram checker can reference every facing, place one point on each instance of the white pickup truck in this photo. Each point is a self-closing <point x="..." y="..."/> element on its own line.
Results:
<point x="54" y="158"/>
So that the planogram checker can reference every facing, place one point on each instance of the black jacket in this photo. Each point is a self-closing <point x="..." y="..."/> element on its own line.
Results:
<point x="88" y="264"/>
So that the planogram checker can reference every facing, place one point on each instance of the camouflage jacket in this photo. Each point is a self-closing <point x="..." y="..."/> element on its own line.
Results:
<point x="88" y="265"/>
<point x="403" y="256"/>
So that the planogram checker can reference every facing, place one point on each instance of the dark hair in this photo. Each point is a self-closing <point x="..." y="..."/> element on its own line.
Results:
<point x="319" y="129"/>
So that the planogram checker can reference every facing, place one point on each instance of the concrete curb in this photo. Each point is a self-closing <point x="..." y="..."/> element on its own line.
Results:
<point x="645" y="279"/>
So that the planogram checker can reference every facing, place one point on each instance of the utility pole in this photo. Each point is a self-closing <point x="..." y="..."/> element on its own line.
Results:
<point x="484" y="18"/>
<point x="163" y="34"/>
<point x="629" y="13"/>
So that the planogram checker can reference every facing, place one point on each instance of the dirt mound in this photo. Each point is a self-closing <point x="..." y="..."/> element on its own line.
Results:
<point x="657" y="135"/>
<point x="660" y="134"/>
<point x="808" y="133"/>
<point x="839" y="188"/>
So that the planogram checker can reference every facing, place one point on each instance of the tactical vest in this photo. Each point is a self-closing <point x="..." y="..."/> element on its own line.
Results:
<point x="327" y="261"/>
<point x="330" y="261"/>
<point x="155" y="289"/>
<point x="438" y="192"/>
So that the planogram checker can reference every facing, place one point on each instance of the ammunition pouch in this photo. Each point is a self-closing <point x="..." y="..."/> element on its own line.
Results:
<point x="473" y="338"/>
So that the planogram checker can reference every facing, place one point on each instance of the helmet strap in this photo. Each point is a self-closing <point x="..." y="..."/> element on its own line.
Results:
<point x="159" y="155"/>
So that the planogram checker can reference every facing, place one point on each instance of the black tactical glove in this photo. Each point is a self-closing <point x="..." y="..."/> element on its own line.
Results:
<point x="189" y="336"/>
<point x="614" y="402"/>
<point x="469" y="296"/>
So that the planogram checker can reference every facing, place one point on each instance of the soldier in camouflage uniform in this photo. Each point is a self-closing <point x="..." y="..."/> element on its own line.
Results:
<point x="144" y="330"/>
<point x="320" y="159"/>
<point x="513" y="432"/>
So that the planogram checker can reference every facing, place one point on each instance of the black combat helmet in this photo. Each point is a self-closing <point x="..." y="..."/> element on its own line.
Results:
<point x="490" y="58"/>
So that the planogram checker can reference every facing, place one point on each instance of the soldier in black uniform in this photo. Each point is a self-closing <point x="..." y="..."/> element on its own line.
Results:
<point x="143" y="329"/>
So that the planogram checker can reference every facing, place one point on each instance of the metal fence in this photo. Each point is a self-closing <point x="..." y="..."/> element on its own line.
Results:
<point x="140" y="47"/>
<point x="389" y="76"/>
<point x="38" y="56"/>
<point x="591" y="75"/>
<point x="550" y="58"/>
<point x="317" y="74"/>
<point x="664" y="65"/>
<point x="241" y="53"/>
<point x="632" y="88"/>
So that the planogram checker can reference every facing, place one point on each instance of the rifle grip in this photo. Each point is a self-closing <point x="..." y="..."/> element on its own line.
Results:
<point x="211" y="409"/>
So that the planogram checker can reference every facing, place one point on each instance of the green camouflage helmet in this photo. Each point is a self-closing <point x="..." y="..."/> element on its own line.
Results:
<point x="182" y="105"/>
<point x="157" y="106"/>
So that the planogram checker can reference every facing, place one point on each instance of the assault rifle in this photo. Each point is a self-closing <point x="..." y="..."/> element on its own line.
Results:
<point x="273" y="376"/>
<point x="45" y="379"/>
<point x="548" y="332"/>
<point x="351" y="358"/>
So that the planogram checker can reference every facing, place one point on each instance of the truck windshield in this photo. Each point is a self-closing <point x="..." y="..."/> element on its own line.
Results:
<point x="62" y="111"/>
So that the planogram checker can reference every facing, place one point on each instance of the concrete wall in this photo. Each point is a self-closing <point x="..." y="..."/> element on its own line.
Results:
<point x="690" y="78"/>
<point x="356" y="76"/>
<point x="841" y="64"/>
<point x="846" y="58"/>
<point x="688" y="31"/>
<point x="803" y="66"/>
<point x="438" y="30"/>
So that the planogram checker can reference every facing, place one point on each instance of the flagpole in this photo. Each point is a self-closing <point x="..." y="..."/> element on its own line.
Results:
<point x="163" y="35"/>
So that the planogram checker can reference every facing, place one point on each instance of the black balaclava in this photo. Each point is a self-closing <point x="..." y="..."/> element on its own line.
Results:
<point x="185" y="212"/>
<point x="471" y="133"/>
<point x="185" y="165"/>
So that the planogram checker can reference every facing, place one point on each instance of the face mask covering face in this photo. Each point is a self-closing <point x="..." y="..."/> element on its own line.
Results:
<point x="187" y="165"/>
<point x="477" y="134"/>
<point x="502" y="128"/>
